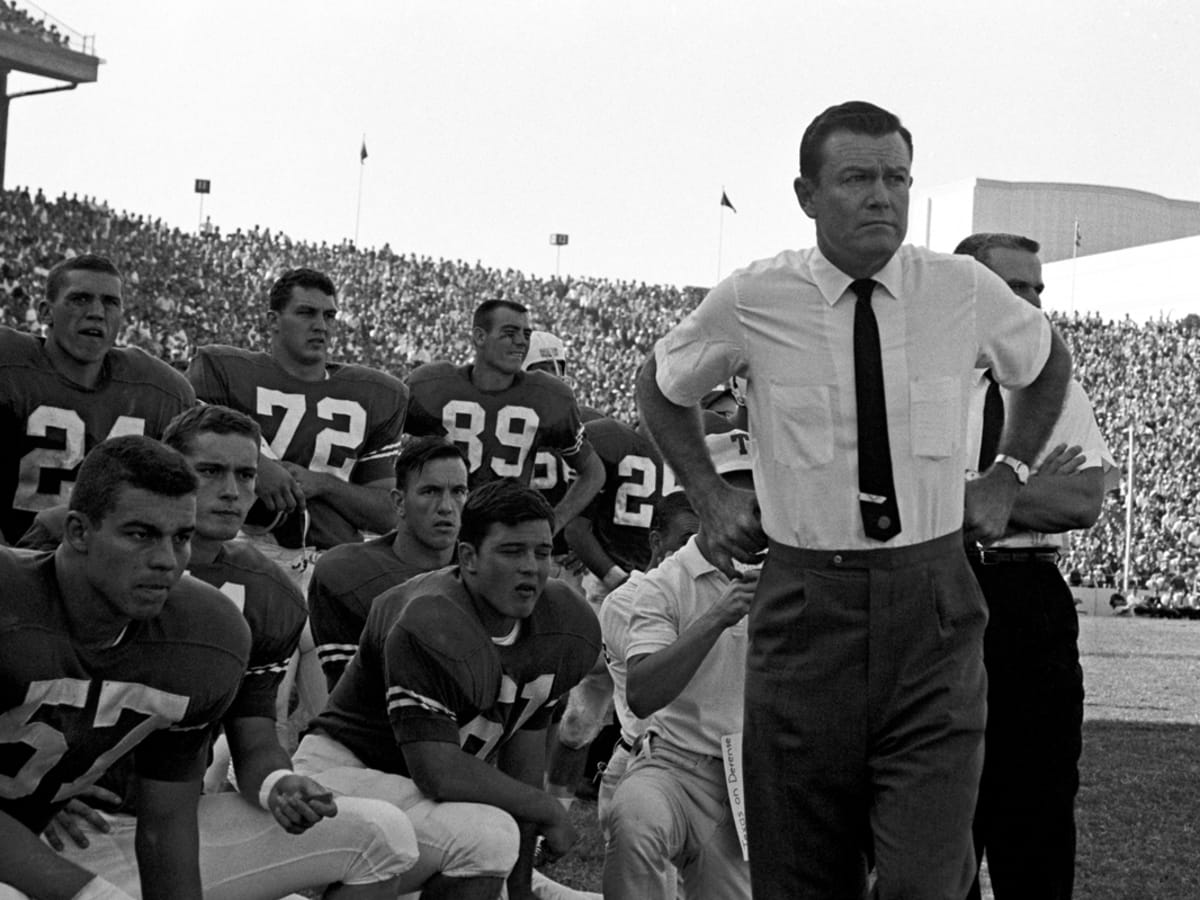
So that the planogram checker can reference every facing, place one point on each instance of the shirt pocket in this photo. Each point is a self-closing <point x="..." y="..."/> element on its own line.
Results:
<point x="801" y="424"/>
<point x="936" y="420"/>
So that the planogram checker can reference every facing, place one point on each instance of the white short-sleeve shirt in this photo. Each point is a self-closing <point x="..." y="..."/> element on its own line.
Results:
<point x="785" y="325"/>
<point x="1076" y="426"/>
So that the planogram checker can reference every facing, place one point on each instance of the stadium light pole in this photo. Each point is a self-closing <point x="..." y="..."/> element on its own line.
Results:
<point x="1128" y="514"/>
<point x="5" y="99"/>
<point x="558" y="241"/>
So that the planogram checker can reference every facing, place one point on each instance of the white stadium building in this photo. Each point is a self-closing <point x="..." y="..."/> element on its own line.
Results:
<point x="1136" y="251"/>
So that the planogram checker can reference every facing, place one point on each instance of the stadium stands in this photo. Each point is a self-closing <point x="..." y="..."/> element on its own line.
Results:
<point x="185" y="290"/>
<point x="17" y="20"/>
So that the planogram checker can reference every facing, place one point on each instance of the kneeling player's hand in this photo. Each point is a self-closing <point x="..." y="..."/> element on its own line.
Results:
<point x="558" y="838"/>
<point x="298" y="803"/>
<point x="277" y="488"/>
<point x="77" y="813"/>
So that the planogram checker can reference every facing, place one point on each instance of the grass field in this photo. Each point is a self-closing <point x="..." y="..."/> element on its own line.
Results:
<point x="1138" y="810"/>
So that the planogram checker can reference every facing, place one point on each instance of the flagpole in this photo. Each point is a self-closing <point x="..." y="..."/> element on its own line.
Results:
<point x="1128" y="514"/>
<point x="1074" y="256"/>
<point x="362" y="164"/>
<point x="720" y="238"/>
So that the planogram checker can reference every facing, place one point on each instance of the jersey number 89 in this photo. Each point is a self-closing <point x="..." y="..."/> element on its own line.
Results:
<point x="466" y="424"/>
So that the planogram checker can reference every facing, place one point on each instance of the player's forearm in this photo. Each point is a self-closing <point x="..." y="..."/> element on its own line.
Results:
<point x="581" y="538"/>
<point x="524" y="759"/>
<point x="457" y="776"/>
<point x="168" y="855"/>
<point x="366" y="507"/>
<point x="1053" y="503"/>
<point x="33" y="868"/>
<point x="679" y="436"/>
<point x="580" y="493"/>
<point x="1032" y="411"/>
<point x="254" y="746"/>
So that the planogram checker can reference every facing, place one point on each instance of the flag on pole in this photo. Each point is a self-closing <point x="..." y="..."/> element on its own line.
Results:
<point x="1078" y="235"/>
<point x="362" y="154"/>
<point x="725" y="200"/>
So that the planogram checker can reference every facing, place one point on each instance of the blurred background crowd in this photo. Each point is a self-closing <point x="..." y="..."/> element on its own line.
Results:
<point x="184" y="290"/>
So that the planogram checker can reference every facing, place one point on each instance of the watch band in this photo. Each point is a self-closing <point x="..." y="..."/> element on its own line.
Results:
<point x="1020" y="469"/>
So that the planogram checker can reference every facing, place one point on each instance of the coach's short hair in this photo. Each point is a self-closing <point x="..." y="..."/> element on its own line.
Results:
<point x="505" y="501"/>
<point x="667" y="508"/>
<point x="281" y="290"/>
<point x="483" y="312"/>
<point x="419" y="452"/>
<point x="87" y="262"/>
<point x="131" y="461"/>
<point x="855" y="116"/>
<point x="182" y="431"/>
<point x="980" y="244"/>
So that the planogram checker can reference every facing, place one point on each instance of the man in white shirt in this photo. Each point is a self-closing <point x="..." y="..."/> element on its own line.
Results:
<point x="685" y="653"/>
<point x="1025" y="818"/>
<point x="865" y="681"/>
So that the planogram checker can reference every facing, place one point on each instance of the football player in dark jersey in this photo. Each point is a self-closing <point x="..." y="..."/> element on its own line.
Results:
<point x="245" y="852"/>
<point x="62" y="394"/>
<point x="444" y="708"/>
<point x="334" y="430"/>
<point x="105" y="650"/>
<point x="330" y="431"/>
<point x="500" y="415"/>
<point x="431" y="488"/>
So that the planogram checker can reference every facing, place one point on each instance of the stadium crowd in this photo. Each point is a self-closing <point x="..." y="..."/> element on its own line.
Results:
<point x="17" y="20"/>
<point x="399" y="310"/>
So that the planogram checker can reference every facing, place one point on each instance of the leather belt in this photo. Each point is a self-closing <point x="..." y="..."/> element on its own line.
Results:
<point x="991" y="556"/>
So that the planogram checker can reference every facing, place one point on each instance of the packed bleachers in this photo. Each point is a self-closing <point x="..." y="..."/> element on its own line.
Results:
<point x="185" y="290"/>
<point x="14" y="18"/>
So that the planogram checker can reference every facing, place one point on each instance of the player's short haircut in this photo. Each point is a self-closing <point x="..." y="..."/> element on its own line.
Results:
<point x="667" y="508"/>
<point x="982" y="243"/>
<point x="419" y="452"/>
<point x="483" y="312"/>
<point x="505" y="501"/>
<point x="281" y="290"/>
<point x="857" y="117"/>
<point x="87" y="262"/>
<point x="131" y="461"/>
<point x="182" y="431"/>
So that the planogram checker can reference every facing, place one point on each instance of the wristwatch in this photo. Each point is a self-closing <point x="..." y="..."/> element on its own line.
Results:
<point x="1020" y="469"/>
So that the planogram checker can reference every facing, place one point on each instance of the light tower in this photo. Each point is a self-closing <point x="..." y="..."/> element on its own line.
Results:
<point x="35" y="55"/>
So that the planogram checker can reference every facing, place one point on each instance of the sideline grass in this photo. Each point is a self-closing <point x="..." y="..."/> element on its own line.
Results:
<point x="1138" y="811"/>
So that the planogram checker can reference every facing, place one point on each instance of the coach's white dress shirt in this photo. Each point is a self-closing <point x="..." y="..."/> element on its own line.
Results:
<point x="785" y="325"/>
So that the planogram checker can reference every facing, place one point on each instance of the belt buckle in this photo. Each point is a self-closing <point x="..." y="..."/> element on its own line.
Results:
<point x="988" y="557"/>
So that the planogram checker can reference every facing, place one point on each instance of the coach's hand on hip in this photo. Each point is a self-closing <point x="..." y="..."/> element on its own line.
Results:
<point x="732" y="523"/>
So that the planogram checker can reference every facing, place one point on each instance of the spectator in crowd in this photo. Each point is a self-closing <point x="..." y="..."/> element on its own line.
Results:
<point x="1025" y="816"/>
<point x="431" y="488"/>
<point x="18" y="21"/>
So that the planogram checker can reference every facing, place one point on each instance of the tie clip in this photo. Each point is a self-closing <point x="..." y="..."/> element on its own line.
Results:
<point x="871" y="498"/>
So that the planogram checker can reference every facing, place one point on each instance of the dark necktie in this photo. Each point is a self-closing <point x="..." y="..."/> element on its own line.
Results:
<point x="993" y="424"/>
<point x="876" y="490"/>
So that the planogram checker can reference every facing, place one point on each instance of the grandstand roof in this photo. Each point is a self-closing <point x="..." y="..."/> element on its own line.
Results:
<point x="1153" y="281"/>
